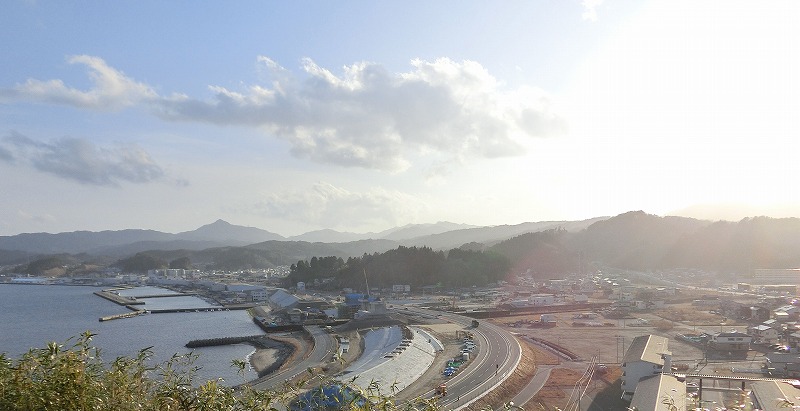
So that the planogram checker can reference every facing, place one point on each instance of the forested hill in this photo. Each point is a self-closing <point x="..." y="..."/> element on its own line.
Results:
<point x="640" y="241"/>
<point x="633" y="240"/>
<point x="413" y="266"/>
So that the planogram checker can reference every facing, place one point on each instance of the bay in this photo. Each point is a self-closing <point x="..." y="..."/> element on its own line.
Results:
<point x="33" y="315"/>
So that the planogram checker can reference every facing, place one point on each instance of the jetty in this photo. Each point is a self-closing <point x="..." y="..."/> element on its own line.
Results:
<point x="166" y="295"/>
<point x="123" y="315"/>
<point x="116" y="298"/>
<point x="210" y="342"/>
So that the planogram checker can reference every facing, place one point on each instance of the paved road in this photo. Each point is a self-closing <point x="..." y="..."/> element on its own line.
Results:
<point x="323" y="348"/>
<point x="536" y="384"/>
<point x="498" y="355"/>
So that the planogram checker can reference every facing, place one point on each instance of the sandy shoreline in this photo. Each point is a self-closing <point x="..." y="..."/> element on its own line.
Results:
<point x="269" y="356"/>
<point x="263" y="358"/>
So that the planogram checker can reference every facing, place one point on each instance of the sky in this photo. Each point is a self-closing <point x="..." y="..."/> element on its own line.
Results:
<point x="362" y="116"/>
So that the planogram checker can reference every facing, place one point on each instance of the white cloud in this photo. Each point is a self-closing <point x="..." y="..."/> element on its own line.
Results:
<point x="43" y="218"/>
<point x="590" y="9"/>
<point x="327" y="205"/>
<point x="364" y="117"/>
<point x="111" y="89"/>
<point x="81" y="160"/>
<point x="371" y="118"/>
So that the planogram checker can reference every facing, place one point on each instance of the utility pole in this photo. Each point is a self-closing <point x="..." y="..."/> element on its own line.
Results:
<point x="366" y="282"/>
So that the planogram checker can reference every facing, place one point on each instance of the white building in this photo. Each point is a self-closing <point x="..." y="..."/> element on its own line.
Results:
<point x="647" y="355"/>
<point x="542" y="299"/>
<point x="259" y="294"/>
<point x="763" y="334"/>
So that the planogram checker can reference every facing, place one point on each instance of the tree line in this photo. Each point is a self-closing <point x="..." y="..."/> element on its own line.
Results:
<point x="412" y="266"/>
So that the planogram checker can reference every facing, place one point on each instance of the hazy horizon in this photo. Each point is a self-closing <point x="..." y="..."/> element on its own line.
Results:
<point x="719" y="212"/>
<point x="360" y="117"/>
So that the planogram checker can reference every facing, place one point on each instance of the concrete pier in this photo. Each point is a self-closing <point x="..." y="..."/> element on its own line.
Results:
<point x="116" y="298"/>
<point x="123" y="315"/>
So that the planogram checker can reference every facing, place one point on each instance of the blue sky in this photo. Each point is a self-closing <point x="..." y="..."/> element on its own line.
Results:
<point x="361" y="116"/>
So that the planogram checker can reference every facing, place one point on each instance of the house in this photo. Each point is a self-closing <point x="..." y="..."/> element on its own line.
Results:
<point x="763" y="334"/>
<point x="730" y="341"/>
<point x="659" y="393"/>
<point x="647" y="355"/>
<point x="787" y="313"/>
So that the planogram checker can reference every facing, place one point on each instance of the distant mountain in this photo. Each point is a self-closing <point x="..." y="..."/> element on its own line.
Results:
<point x="421" y="230"/>
<point x="737" y="211"/>
<point x="330" y="236"/>
<point x="633" y="240"/>
<point x="121" y="242"/>
<point x="639" y="241"/>
<point x="222" y="231"/>
<point x="491" y="235"/>
<point x="395" y="234"/>
<point x="77" y="241"/>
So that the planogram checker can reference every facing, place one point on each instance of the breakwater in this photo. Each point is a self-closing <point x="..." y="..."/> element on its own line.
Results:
<point x="124" y="315"/>
<point x="194" y="310"/>
<point x="165" y="295"/>
<point x="210" y="342"/>
<point x="118" y="299"/>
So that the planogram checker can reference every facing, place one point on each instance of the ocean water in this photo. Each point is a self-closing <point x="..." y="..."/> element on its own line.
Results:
<point x="33" y="315"/>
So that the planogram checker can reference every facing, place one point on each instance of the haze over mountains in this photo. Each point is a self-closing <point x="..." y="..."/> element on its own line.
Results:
<point x="634" y="240"/>
<point x="223" y="234"/>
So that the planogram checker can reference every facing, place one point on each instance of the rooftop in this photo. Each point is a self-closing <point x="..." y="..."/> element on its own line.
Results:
<point x="647" y="348"/>
<point x="768" y="395"/>
<point x="732" y="333"/>
<point x="659" y="392"/>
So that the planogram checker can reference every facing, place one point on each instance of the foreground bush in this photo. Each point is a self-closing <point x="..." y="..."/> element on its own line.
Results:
<point x="76" y="378"/>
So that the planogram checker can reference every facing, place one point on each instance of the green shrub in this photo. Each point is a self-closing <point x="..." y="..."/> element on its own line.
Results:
<point x="56" y="378"/>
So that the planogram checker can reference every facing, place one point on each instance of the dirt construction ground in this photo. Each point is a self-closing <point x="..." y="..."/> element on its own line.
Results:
<point x="606" y="342"/>
<point x="608" y="339"/>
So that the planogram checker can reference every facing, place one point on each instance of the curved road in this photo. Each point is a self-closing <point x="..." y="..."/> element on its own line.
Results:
<point x="498" y="355"/>
<point x="323" y="347"/>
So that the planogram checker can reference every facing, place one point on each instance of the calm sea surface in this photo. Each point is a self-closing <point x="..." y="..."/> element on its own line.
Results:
<point x="32" y="315"/>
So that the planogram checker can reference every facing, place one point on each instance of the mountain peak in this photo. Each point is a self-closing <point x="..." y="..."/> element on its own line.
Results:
<point x="220" y="222"/>
<point x="223" y="230"/>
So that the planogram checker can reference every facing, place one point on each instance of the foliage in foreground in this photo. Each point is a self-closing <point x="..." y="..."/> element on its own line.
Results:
<point x="75" y="378"/>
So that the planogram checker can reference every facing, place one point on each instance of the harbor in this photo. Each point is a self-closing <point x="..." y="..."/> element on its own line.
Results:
<point x="152" y="302"/>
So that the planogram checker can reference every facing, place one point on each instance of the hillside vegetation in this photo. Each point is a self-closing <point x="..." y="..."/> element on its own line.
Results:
<point x="74" y="377"/>
<point x="412" y="266"/>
